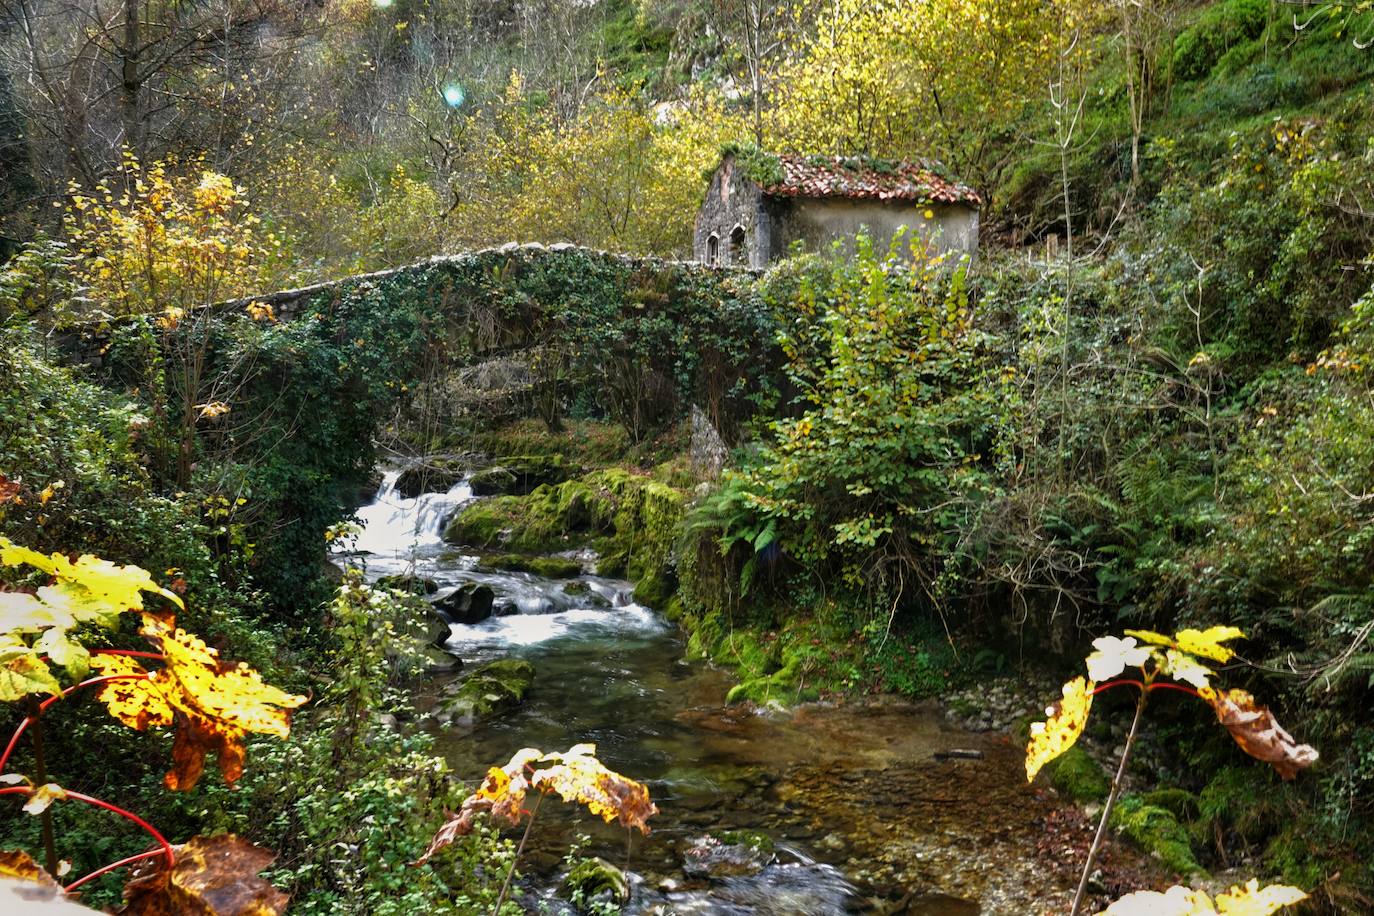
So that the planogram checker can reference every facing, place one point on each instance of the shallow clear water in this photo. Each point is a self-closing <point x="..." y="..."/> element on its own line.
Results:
<point x="859" y="808"/>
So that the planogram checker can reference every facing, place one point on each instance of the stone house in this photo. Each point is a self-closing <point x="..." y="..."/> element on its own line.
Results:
<point x="759" y="204"/>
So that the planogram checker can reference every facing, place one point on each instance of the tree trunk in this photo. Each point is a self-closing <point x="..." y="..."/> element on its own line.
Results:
<point x="130" y="80"/>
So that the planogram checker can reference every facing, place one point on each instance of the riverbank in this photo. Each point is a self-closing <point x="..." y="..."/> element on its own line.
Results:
<point x="854" y="803"/>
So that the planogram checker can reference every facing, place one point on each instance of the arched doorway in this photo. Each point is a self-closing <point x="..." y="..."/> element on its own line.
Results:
<point x="739" y="248"/>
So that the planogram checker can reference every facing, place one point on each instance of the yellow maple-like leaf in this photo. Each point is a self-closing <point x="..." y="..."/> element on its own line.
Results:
<point x="213" y="703"/>
<point x="575" y="776"/>
<point x="1184" y="901"/>
<point x="1183" y="667"/>
<point x="1252" y="900"/>
<point x="1061" y="731"/>
<point x="1111" y="656"/>
<point x="578" y="776"/>
<point x="1203" y="643"/>
<point x="1208" y="643"/>
<point x="88" y="581"/>
<point x="139" y="704"/>
<point x="1176" y="901"/>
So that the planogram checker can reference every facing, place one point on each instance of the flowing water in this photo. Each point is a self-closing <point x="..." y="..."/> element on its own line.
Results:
<point x="862" y="814"/>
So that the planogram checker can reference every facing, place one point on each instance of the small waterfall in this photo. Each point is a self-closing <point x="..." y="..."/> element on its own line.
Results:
<point x="395" y="525"/>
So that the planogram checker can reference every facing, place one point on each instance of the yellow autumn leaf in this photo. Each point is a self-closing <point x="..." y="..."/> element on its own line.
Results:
<point x="105" y="583"/>
<point x="1252" y="900"/>
<point x="1176" y="901"/>
<point x="213" y="703"/>
<point x="139" y="704"/>
<point x="578" y="776"/>
<point x="1111" y="656"/>
<point x="1183" y="667"/>
<point x="1203" y="643"/>
<point x="43" y="796"/>
<point x="575" y="776"/>
<point x="1061" y="731"/>
<point x="1208" y="643"/>
<point x="1184" y="901"/>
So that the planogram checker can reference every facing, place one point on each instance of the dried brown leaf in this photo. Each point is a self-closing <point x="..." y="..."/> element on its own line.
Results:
<point x="213" y="876"/>
<point x="1258" y="733"/>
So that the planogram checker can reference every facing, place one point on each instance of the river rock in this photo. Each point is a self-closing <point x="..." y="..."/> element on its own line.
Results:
<point x="468" y="603"/>
<point x="738" y="853"/>
<point x="415" y="585"/>
<point x="435" y="475"/>
<point x="520" y="476"/>
<point x="593" y="880"/>
<point x="492" y="688"/>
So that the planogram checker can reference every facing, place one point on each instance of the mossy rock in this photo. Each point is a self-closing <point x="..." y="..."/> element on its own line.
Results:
<point x="1078" y="776"/>
<point x="547" y="567"/>
<point x="752" y="839"/>
<point x="592" y="878"/>
<point x="490" y="689"/>
<point x="1157" y="831"/>
<point x="654" y="590"/>
<point x="492" y="482"/>
<point x="414" y="585"/>
<point x="434" y="476"/>
<point x="520" y="475"/>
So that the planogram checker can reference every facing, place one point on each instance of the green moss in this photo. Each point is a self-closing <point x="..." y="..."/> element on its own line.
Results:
<point x="757" y="165"/>
<point x="548" y="567"/>
<point x="751" y="839"/>
<point x="1180" y="802"/>
<point x="1157" y="831"/>
<point x="591" y="877"/>
<point x="1078" y="776"/>
<point x="490" y="689"/>
<point x="492" y="481"/>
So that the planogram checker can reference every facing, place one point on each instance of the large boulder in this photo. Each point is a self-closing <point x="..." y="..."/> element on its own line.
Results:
<point x="411" y="584"/>
<point x="520" y="476"/>
<point x="434" y="475"/>
<point x="547" y="567"/>
<point x="490" y="689"/>
<point x="468" y="603"/>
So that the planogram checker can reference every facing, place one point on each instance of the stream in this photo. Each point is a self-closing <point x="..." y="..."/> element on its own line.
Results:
<point x="859" y="812"/>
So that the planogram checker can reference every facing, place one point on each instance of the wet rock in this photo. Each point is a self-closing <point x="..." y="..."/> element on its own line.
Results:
<point x="468" y="603"/>
<point x="777" y="890"/>
<point x="415" y="585"/>
<point x="547" y="567"/>
<point x="593" y="880"/>
<point x="436" y="475"/>
<point x="519" y="476"/>
<point x="505" y="609"/>
<point x="742" y="853"/>
<point x="492" y="688"/>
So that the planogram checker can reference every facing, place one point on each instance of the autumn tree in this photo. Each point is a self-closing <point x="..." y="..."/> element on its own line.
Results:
<point x="94" y="77"/>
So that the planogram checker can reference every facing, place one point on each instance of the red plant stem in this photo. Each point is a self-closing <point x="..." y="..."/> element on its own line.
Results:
<point x="1148" y="688"/>
<point x="101" y="803"/>
<point x="42" y="707"/>
<point x="131" y="653"/>
<point x="111" y="867"/>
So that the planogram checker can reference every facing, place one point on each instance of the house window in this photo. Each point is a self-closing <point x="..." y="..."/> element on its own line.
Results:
<point x="739" y="251"/>
<point x="713" y="250"/>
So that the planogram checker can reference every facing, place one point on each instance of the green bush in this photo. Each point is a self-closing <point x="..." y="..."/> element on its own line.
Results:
<point x="1220" y="27"/>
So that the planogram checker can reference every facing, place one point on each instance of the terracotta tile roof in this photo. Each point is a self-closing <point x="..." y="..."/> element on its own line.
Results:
<point x="917" y="182"/>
